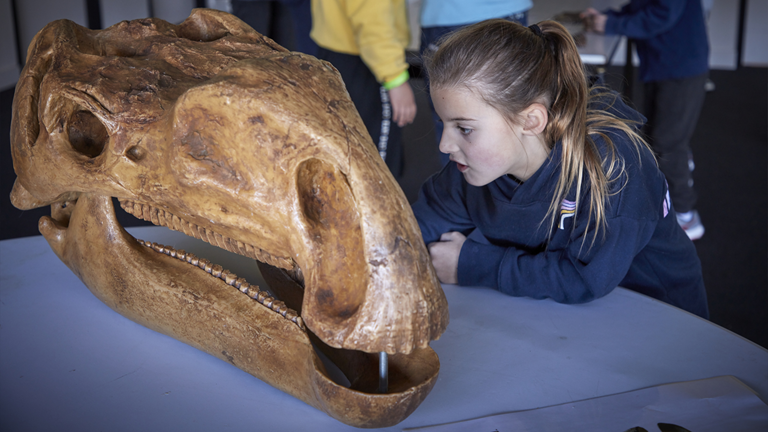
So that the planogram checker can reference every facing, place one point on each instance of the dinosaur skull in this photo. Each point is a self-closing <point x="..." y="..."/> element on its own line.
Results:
<point x="211" y="129"/>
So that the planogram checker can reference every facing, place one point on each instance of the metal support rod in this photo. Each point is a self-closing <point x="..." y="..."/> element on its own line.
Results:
<point x="383" y="372"/>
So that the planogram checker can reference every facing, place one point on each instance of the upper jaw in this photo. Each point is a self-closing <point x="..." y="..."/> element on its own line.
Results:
<point x="368" y="285"/>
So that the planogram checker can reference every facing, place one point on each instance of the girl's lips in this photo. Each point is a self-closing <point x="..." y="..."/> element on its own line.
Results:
<point x="461" y="167"/>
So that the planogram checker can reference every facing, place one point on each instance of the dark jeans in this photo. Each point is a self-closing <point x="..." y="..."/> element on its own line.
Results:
<point x="672" y="108"/>
<point x="430" y="36"/>
<point x="287" y="22"/>
<point x="372" y="102"/>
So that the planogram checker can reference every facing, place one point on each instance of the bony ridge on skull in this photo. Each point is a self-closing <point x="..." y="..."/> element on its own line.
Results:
<point x="211" y="129"/>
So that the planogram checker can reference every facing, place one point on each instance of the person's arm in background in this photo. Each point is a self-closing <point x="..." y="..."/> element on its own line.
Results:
<point x="403" y="102"/>
<point x="643" y="23"/>
<point x="381" y="31"/>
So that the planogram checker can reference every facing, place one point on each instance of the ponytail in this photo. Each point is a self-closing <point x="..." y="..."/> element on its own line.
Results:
<point x="580" y="158"/>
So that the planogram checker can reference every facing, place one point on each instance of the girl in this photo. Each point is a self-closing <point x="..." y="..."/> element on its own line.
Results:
<point x="567" y="197"/>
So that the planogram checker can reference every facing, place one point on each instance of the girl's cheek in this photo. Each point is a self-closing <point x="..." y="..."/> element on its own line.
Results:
<point x="482" y="156"/>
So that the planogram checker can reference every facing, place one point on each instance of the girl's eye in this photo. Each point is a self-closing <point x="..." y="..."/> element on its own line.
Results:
<point x="464" y="131"/>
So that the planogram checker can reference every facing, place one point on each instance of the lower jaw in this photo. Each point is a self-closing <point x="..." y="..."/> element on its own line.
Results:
<point x="155" y="285"/>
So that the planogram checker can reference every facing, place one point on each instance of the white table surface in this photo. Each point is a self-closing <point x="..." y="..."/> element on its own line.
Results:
<point x="598" y="49"/>
<point x="68" y="362"/>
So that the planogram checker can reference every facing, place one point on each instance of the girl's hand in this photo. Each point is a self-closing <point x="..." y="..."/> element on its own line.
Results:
<point x="445" y="256"/>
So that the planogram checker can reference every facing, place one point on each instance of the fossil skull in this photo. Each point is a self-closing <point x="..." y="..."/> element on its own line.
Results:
<point x="209" y="128"/>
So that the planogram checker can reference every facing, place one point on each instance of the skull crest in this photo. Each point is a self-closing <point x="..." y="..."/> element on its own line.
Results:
<point x="209" y="128"/>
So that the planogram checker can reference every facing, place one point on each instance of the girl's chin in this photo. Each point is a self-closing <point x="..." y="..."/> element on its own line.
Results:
<point x="469" y="178"/>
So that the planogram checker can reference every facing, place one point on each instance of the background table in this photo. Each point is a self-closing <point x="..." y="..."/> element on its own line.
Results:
<point x="68" y="362"/>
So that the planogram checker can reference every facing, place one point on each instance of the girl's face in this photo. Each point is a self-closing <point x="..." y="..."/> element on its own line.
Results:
<point x="480" y="140"/>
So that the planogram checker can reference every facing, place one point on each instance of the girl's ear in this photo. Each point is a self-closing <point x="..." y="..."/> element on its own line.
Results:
<point x="536" y="118"/>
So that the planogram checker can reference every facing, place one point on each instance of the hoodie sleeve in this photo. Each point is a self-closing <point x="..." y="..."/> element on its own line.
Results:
<point x="656" y="17"/>
<point x="377" y="26"/>
<point x="441" y="206"/>
<point x="576" y="274"/>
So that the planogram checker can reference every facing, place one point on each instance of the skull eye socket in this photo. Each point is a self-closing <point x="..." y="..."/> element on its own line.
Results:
<point x="87" y="134"/>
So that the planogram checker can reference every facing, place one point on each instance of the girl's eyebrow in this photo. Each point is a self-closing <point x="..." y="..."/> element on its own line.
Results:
<point x="464" y="119"/>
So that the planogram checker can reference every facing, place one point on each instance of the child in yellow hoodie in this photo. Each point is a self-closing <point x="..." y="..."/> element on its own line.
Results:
<point x="366" y="41"/>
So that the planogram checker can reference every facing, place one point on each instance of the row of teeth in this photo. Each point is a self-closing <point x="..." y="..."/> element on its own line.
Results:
<point x="167" y="219"/>
<point x="230" y="278"/>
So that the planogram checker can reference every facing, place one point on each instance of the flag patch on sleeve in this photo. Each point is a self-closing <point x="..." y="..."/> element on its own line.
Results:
<point x="567" y="209"/>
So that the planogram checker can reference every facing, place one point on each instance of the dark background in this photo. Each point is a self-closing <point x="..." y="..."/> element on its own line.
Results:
<point x="731" y="154"/>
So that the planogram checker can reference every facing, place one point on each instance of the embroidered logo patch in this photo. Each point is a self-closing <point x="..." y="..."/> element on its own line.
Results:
<point x="567" y="209"/>
<point x="667" y="202"/>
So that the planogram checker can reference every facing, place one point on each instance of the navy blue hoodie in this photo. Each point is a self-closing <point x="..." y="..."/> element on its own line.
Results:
<point x="643" y="247"/>
<point x="670" y="35"/>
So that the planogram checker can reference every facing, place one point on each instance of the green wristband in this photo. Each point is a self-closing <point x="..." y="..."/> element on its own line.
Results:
<point x="397" y="81"/>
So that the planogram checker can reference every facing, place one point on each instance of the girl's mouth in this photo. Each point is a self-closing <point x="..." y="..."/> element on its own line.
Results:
<point x="461" y="167"/>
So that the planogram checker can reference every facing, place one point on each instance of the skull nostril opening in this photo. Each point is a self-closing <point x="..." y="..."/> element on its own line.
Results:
<point x="334" y="223"/>
<point x="87" y="134"/>
<point x="135" y="153"/>
<point x="201" y="33"/>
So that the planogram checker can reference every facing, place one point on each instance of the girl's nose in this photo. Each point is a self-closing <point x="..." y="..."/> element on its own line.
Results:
<point x="445" y="145"/>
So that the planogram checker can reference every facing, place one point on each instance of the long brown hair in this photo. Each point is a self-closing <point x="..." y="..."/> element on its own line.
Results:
<point x="511" y="66"/>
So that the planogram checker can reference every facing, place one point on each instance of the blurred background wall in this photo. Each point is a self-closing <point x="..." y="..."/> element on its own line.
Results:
<point x="738" y="28"/>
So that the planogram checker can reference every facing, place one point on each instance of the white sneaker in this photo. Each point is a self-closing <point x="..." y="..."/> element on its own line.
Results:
<point x="691" y="225"/>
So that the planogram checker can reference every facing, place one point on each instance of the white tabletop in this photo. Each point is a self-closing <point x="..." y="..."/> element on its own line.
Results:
<point x="598" y="49"/>
<point x="68" y="362"/>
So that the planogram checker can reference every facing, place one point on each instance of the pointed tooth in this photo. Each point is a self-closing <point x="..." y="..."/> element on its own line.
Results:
<point x="153" y="215"/>
<point x="197" y="231"/>
<point x="145" y="212"/>
<point x="210" y="237"/>
<point x="278" y="306"/>
<point x="230" y="278"/>
<point x="160" y="217"/>
<point x="194" y="260"/>
<point x="200" y="233"/>
<point x="240" y="247"/>
<point x="176" y="223"/>
<point x="189" y="229"/>
<point x="244" y="287"/>
<point x="229" y="244"/>
<point x="127" y="206"/>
